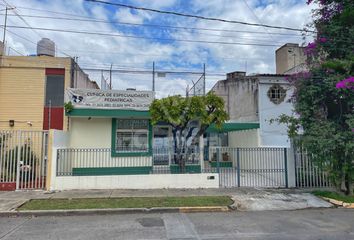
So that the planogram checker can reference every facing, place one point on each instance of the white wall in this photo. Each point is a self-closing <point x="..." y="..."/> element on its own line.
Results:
<point x="60" y="138"/>
<point x="97" y="133"/>
<point x="275" y="134"/>
<point x="152" y="181"/>
<point x="245" y="138"/>
<point x="93" y="133"/>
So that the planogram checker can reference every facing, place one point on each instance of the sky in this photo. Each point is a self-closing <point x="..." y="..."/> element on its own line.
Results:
<point x="151" y="41"/>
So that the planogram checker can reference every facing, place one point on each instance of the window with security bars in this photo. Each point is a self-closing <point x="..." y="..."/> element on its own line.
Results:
<point x="276" y="94"/>
<point x="54" y="91"/>
<point x="132" y="135"/>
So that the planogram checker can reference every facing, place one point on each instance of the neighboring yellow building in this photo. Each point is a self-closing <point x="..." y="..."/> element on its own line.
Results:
<point x="32" y="91"/>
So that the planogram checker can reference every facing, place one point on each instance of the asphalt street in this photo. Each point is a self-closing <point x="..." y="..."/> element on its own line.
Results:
<point x="301" y="224"/>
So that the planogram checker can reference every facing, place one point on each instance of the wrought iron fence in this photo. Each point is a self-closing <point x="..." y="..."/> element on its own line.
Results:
<point x="307" y="173"/>
<point x="99" y="161"/>
<point x="249" y="167"/>
<point x="171" y="165"/>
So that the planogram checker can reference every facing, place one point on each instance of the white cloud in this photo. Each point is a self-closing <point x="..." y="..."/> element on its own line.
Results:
<point x="158" y="4"/>
<point x="129" y="53"/>
<point x="126" y="15"/>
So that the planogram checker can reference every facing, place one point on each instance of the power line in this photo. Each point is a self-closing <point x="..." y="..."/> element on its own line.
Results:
<point x="197" y="16"/>
<point x="127" y="71"/>
<point x="23" y="20"/>
<point x="26" y="39"/>
<point x="16" y="51"/>
<point x="151" y="38"/>
<point x="183" y="29"/>
<point x="257" y="18"/>
<point x="113" y="52"/>
<point x="89" y="19"/>
<point x="105" y="66"/>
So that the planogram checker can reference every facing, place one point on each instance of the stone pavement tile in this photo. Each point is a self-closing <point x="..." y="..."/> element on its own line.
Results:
<point x="82" y="194"/>
<point x="181" y="192"/>
<point x="24" y="194"/>
<point x="10" y="204"/>
<point x="163" y="192"/>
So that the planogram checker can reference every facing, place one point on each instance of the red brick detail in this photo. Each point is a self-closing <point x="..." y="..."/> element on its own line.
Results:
<point x="56" y="118"/>
<point x="8" y="186"/>
<point x="54" y="71"/>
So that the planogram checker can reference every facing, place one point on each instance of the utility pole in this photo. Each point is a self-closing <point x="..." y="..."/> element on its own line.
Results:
<point x="5" y="22"/>
<point x="153" y="76"/>
<point x="204" y="79"/>
<point x="110" y="77"/>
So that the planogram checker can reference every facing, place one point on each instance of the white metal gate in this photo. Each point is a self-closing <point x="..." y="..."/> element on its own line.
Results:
<point x="23" y="156"/>
<point x="249" y="167"/>
<point x="307" y="174"/>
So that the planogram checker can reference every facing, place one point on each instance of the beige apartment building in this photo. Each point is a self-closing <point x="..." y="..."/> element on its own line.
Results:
<point x="290" y="58"/>
<point x="32" y="90"/>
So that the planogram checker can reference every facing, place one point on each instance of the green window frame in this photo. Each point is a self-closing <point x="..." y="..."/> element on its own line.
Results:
<point x="124" y="128"/>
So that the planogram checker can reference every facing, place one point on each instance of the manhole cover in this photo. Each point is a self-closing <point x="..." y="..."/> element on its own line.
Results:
<point x="151" y="222"/>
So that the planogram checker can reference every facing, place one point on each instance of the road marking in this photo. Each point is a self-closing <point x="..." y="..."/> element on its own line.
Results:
<point x="178" y="226"/>
<point x="14" y="229"/>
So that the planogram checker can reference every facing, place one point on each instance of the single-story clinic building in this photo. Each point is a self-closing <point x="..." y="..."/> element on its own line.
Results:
<point x="110" y="143"/>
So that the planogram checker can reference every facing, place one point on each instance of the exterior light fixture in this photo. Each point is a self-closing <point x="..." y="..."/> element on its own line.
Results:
<point x="11" y="123"/>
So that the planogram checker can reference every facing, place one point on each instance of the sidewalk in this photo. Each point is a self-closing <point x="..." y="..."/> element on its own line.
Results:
<point x="245" y="198"/>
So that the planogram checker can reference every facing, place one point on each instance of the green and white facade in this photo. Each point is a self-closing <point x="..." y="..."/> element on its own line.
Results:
<point x="110" y="145"/>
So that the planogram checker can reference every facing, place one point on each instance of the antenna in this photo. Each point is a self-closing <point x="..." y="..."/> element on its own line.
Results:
<point x="153" y="76"/>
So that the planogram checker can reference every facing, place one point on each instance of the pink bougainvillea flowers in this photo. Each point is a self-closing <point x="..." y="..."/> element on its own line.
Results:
<point x="346" y="83"/>
<point x="323" y="39"/>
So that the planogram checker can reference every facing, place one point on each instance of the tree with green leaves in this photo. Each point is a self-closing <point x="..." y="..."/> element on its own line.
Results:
<point x="183" y="114"/>
<point x="324" y="96"/>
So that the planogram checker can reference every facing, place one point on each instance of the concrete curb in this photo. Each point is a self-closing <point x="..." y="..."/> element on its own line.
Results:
<point x="112" y="211"/>
<point x="339" y="203"/>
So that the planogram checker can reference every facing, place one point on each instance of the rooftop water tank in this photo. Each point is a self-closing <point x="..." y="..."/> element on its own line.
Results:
<point x="46" y="47"/>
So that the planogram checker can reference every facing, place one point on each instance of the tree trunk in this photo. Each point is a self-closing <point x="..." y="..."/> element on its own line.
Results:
<point x="174" y="146"/>
<point x="180" y="152"/>
<point x="348" y="184"/>
<point x="348" y="175"/>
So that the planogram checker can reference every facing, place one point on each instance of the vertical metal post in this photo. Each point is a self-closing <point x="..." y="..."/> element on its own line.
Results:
<point x="295" y="152"/>
<point x="153" y="76"/>
<point x="4" y="35"/>
<point x="217" y="160"/>
<point x="76" y="70"/>
<point x="110" y="77"/>
<point x="5" y="22"/>
<point x="204" y="79"/>
<point x="18" y="160"/>
<point x="102" y="79"/>
<point x="286" y="168"/>
<point x="238" y="167"/>
<point x="49" y="114"/>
